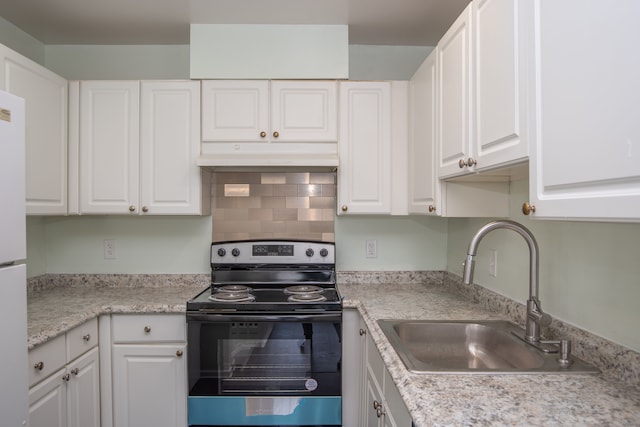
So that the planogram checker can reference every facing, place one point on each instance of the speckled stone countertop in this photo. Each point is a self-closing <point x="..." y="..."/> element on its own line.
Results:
<point x="484" y="400"/>
<point x="55" y="308"/>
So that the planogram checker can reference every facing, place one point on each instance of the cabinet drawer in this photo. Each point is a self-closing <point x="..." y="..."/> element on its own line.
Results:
<point x="81" y="339"/>
<point x="148" y="328"/>
<point x="46" y="359"/>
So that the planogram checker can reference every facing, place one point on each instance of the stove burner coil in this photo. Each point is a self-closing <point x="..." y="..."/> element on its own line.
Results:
<point x="303" y="290"/>
<point x="234" y="289"/>
<point x="227" y="296"/>
<point x="311" y="297"/>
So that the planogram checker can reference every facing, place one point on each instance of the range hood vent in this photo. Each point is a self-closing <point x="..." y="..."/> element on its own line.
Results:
<point x="269" y="51"/>
<point x="321" y="156"/>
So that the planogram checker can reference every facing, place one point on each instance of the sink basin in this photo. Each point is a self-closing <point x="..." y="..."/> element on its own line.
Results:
<point x="471" y="347"/>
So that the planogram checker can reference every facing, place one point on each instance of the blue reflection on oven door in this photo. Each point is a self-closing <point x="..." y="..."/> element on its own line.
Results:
<point x="264" y="411"/>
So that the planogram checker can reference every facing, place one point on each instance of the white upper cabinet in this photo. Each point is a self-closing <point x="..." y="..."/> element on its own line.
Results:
<point x="499" y="83"/>
<point x="260" y="110"/>
<point x="423" y="180"/>
<point x="364" y="176"/>
<point x="269" y="123"/>
<point x="586" y="161"/>
<point x="109" y="147"/>
<point x="45" y="95"/>
<point x="454" y="99"/>
<point x="235" y="110"/>
<point x="138" y="145"/>
<point x="170" y="180"/>
<point x="482" y="121"/>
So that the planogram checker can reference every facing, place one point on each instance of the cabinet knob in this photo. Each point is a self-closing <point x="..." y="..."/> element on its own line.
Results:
<point x="39" y="366"/>
<point x="462" y="163"/>
<point x="86" y="338"/>
<point x="132" y="208"/>
<point x="179" y="353"/>
<point x="145" y="209"/>
<point x="363" y="332"/>
<point x="147" y="329"/>
<point x="66" y="377"/>
<point x="75" y="371"/>
<point x="527" y="208"/>
<point x="432" y="208"/>
<point x="377" y="405"/>
<point x="263" y="134"/>
<point x="345" y="208"/>
<point x="471" y="162"/>
<point x="380" y="413"/>
<point x="276" y="134"/>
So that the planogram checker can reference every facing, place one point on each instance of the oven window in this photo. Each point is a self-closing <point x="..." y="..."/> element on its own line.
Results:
<point x="287" y="358"/>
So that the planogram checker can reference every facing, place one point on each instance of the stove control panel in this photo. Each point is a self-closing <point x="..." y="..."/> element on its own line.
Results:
<point x="272" y="252"/>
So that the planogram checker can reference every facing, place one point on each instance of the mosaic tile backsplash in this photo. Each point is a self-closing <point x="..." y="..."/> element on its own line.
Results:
<point x="273" y="205"/>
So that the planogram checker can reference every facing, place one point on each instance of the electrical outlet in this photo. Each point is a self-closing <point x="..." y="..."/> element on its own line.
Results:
<point x="371" y="249"/>
<point x="109" y="249"/>
<point x="493" y="262"/>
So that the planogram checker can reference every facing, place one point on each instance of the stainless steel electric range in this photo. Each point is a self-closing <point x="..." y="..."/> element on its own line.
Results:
<point x="264" y="341"/>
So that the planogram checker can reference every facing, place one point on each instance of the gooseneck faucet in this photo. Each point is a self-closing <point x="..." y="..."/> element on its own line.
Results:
<point x="535" y="316"/>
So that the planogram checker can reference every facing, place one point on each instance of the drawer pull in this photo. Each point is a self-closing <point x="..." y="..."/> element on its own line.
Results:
<point x="75" y="371"/>
<point x="87" y="337"/>
<point x="179" y="353"/>
<point x="147" y="329"/>
<point x="66" y="377"/>
<point x="39" y="366"/>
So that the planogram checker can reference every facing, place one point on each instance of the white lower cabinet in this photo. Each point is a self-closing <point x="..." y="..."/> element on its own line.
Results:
<point x="66" y="394"/>
<point x="149" y="370"/>
<point x="370" y="398"/>
<point x="382" y="405"/>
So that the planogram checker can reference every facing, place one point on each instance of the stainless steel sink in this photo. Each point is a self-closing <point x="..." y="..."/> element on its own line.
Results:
<point x="471" y="347"/>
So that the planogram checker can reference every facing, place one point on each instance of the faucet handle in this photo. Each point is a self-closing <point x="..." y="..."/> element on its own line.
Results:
<point x="565" y="353"/>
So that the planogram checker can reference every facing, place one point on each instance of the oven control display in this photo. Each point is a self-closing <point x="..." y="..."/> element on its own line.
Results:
<point x="272" y="250"/>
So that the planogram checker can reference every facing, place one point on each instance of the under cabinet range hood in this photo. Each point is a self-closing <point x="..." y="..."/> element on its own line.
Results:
<point x="221" y="51"/>
<point x="246" y="159"/>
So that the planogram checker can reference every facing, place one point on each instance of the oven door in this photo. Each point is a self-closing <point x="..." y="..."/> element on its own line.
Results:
<point x="264" y="370"/>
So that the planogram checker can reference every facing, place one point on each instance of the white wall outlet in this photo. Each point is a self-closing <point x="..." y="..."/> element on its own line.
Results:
<point x="493" y="262"/>
<point x="371" y="249"/>
<point x="109" y="249"/>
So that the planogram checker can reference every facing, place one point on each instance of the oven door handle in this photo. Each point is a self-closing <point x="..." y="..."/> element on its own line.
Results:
<point x="209" y="316"/>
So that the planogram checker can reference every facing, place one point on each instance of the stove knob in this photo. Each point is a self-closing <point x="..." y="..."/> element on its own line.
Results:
<point x="222" y="252"/>
<point x="235" y="251"/>
<point x="324" y="252"/>
<point x="309" y="252"/>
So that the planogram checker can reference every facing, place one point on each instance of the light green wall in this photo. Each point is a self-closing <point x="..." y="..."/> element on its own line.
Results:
<point x="149" y="244"/>
<point x="16" y="39"/>
<point x="385" y="62"/>
<point x="588" y="271"/>
<point x="404" y="243"/>
<point x="135" y="62"/>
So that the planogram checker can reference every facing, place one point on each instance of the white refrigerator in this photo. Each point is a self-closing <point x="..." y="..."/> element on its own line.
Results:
<point x="14" y="400"/>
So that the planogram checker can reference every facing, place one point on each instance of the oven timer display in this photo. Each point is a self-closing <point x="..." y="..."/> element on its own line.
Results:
<point x="272" y="250"/>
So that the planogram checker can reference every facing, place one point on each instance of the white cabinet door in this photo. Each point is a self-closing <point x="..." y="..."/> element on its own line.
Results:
<point x="48" y="402"/>
<point x="170" y="180"/>
<point x="586" y="160"/>
<point x="149" y="385"/>
<point x="424" y="186"/>
<point x="109" y="147"/>
<point x="235" y="110"/>
<point x="304" y="111"/>
<point x="83" y="391"/>
<point x="454" y="93"/>
<point x="499" y="89"/>
<point x="364" y="176"/>
<point x="45" y="95"/>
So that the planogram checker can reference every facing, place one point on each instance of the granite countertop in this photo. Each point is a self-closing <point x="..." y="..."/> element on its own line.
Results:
<point x="54" y="310"/>
<point x="484" y="400"/>
<point x="432" y="399"/>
